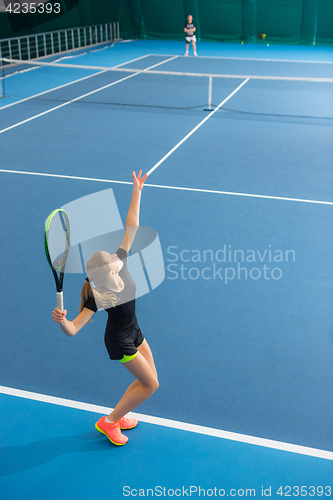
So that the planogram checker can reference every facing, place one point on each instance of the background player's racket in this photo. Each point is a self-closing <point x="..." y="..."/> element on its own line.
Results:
<point x="57" y="239"/>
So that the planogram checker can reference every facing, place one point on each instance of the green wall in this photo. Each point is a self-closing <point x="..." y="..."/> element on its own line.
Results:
<point x="283" y="21"/>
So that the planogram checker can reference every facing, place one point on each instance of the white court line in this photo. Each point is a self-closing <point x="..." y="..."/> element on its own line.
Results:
<point x="177" y="188"/>
<point x="52" y="90"/>
<point x="132" y="60"/>
<point x="66" y="84"/>
<point x="159" y="64"/>
<point x="148" y="55"/>
<point x="252" y="59"/>
<point x="64" y="104"/>
<point x="196" y="128"/>
<point x="173" y="424"/>
<point x="77" y="98"/>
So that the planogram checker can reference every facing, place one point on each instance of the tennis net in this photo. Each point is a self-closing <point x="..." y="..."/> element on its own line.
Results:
<point x="274" y="96"/>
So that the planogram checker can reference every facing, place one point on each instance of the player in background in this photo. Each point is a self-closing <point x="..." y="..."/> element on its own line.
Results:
<point x="190" y="30"/>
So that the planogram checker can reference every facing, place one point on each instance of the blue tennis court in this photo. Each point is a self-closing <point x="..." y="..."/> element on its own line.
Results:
<point x="240" y="193"/>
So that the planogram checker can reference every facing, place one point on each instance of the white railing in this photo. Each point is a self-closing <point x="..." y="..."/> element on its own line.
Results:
<point x="55" y="42"/>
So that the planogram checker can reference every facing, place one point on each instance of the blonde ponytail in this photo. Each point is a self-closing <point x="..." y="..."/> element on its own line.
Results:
<point x="104" y="299"/>
<point x="86" y="293"/>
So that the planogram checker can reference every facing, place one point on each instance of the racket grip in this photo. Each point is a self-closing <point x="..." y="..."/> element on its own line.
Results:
<point x="60" y="300"/>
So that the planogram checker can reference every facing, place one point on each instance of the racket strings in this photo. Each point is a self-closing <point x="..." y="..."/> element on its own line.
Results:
<point x="57" y="238"/>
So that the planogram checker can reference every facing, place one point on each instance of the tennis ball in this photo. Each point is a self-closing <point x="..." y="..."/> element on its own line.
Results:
<point x="267" y="44"/>
<point x="242" y="43"/>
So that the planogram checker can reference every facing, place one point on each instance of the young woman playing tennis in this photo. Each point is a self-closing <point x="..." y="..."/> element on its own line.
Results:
<point x="115" y="291"/>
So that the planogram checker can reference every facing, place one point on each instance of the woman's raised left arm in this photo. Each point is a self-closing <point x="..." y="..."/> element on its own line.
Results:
<point x="133" y="216"/>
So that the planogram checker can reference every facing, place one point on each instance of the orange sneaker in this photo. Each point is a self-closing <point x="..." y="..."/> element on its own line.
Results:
<point x="112" y="431"/>
<point x="128" y="423"/>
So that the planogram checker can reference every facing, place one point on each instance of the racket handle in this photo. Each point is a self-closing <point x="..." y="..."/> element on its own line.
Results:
<point x="60" y="300"/>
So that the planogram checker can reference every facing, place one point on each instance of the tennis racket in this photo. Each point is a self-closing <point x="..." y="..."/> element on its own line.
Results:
<point x="57" y="239"/>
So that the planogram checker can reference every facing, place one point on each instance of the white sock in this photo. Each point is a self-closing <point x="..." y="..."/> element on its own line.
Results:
<point x="108" y="421"/>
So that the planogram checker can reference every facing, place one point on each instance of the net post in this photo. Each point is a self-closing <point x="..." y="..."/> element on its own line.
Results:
<point x="210" y="89"/>
<point x="111" y="36"/>
<point x="118" y="31"/>
<point x="114" y="31"/>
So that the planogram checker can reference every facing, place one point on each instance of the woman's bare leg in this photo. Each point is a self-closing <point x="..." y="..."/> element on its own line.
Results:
<point x="145" y="350"/>
<point x="143" y="368"/>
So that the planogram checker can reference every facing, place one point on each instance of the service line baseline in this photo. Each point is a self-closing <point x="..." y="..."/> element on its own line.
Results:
<point x="176" y="188"/>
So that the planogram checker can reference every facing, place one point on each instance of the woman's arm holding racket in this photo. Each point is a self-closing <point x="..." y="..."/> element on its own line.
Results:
<point x="133" y="216"/>
<point x="70" y="328"/>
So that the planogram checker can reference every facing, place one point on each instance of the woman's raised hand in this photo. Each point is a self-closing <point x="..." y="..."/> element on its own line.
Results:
<point x="137" y="181"/>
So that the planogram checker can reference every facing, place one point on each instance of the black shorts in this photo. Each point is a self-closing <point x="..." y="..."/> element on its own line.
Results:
<point x="123" y="348"/>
